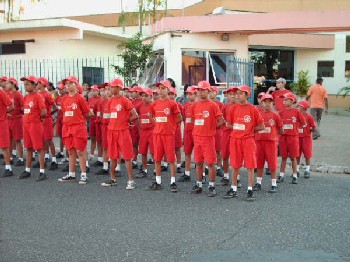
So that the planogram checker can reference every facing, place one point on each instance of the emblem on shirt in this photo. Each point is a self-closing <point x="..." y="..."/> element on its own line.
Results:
<point x="205" y="114"/>
<point x="167" y="111"/>
<point x="118" y="107"/>
<point x="247" y="119"/>
<point x="294" y="120"/>
<point x="271" y="122"/>
<point x="31" y="104"/>
<point x="74" y="106"/>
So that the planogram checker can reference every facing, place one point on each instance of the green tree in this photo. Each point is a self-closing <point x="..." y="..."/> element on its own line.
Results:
<point x="302" y="85"/>
<point x="344" y="91"/>
<point x="135" y="56"/>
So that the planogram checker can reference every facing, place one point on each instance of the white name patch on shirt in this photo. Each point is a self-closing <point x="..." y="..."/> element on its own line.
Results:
<point x="114" y="115"/>
<point x="144" y="121"/>
<point x="199" y="122"/>
<point x="26" y="110"/>
<point x="288" y="126"/>
<point x="161" y="119"/>
<point x="267" y="130"/>
<point x="238" y="126"/>
<point x="69" y="113"/>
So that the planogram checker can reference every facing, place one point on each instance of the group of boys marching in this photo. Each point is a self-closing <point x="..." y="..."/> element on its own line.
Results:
<point x="127" y="121"/>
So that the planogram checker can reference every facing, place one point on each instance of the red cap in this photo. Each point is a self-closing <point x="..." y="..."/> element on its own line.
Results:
<point x="71" y="79"/>
<point x="43" y="80"/>
<point x="3" y="78"/>
<point x="156" y="91"/>
<point x="245" y="88"/>
<point x="205" y="85"/>
<point x="13" y="81"/>
<point x="60" y="86"/>
<point x="261" y="94"/>
<point x="147" y="91"/>
<point x="266" y="96"/>
<point x="116" y="82"/>
<point x="136" y="89"/>
<point x="165" y="83"/>
<point x="231" y="89"/>
<point x="291" y="96"/>
<point x="304" y="104"/>
<point x="80" y="89"/>
<point x="95" y="87"/>
<point x="103" y="85"/>
<point x="126" y="88"/>
<point x="191" y="89"/>
<point x="172" y="90"/>
<point x="29" y="78"/>
<point x="215" y="88"/>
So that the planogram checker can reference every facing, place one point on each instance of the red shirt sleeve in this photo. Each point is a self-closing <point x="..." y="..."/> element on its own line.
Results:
<point x="83" y="105"/>
<point x="258" y="118"/>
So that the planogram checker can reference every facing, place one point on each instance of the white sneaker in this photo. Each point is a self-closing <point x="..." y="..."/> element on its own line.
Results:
<point x="66" y="178"/>
<point x="130" y="185"/>
<point x="83" y="180"/>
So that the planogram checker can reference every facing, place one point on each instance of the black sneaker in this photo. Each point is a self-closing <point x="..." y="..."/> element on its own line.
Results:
<point x="24" y="174"/>
<point x="219" y="172"/>
<point x="164" y="169"/>
<point x="97" y="164"/>
<point x="173" y="188"/>
<point x="204" y="180"/>
<point x="19" y="162"/>
<point x="7" y="173"/>
<point x="87" y="169"/>
<point x="101" y="172"/>
<point x="150" y="161"/>
<point x="273" y="189"/>
<point x="41" y="177"/>
<point x="65" y="169"/>
<point x="250" y="195"/>
<point x="67" y="178"/>
<point x="257" y="187"/>
<point x="294" y="180"/>
<point x="307" y="174"/>
<point x="239" y="184"/>
<point x="183" y="164"/>
<point x="267" y="171"/>
<point x="231" y="194"/>
<point x="224" y="182"/>
<point x="134" y="165"/>
<point x="141" y="174"/>
<point x="59" y="155"/>
<point x="212" y="191"/>
<point x="154" y="186"/>
<point x="53" y="166"/>
<point x="184" y="178"/>
<point x="196" y="189"/>
<point x="179" y="170"/>
<point x="298" y="174"/>
<point x="109" y="183"/>
<point x="280" y="179"/>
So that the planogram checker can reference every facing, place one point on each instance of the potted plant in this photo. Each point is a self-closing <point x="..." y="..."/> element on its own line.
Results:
<point x="302" y="85"/>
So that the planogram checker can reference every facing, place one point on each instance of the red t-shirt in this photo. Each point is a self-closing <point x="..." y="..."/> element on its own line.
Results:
<point x="105" y="111"/>
<point x="93" y="102"/>
<point x="272" y="123"/>
<point x="188" y="116"/>
<point x="49" y="101"/>
<point x="137" y="103"/>
<point x="244" y="118"/>
<point x="225" y="111"/>
<point x="32" y="105"/>
<point x="5" y="102"/>
<point x="205" y="115"/>
<point x="306" y="129"/>
<point x="292" y="119"/>
<point x="59" y="100"/>
<point x="278" y="99"/>
<point x="74" y="108"/>
<point x="119" y="108"/>
<point x="165" y="113"/>
<point x="17" y="100"/>
<point x="98" y="109"/>
<point x="145" y="119"/>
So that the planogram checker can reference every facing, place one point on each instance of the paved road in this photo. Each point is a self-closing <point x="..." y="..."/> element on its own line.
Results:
<point x="49" y="221"/>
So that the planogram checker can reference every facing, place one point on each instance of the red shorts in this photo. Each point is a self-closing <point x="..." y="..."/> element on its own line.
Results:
<point x="146" y="141"/>
<point x="164" y="144"/>
<point x="59" y="127"/>
<point x="48" y="128"/>
<point x="120" y="140"/>
<point x="305" y="146"/>
<point x="16" y="128"/>
<point x="289" y="146"/>
<point x="135" y="136"/>
<point x="203" y="149"/>
<point x="243" y="149"/>
<point x="178" y="137"/>
<point x="267" y="150"/>
<point x="98" y="132"/>
<point x="188" y="142"/>
<point x="75" y="137"/>
<point x="4" y="134"/>
<point x="218" y="139"/>
<point x="225" y="144"/>
<point x="33" y="135"/>
<point x="104" y="134"/>
<point x="92" y="128"/>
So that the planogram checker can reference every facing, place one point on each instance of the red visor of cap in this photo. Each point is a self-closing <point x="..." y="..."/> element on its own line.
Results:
<point x="203" y="85"/>
<point x="80" y="89"/>
<point x="13" y="81"/>
<point x="103" y="85"/>
<point x="215" y="88"/>
<point x="116" y="82"/>
<point x="71" y="79"/>
<point x="60" y="86"/>
<point x="137" y="89"/>
<point x="191" y="89"/>
<point x="147" y="91"/>
<point x="95" y="87"/>
<point x="126" y="88"/>
<point x="231" y="89"/>
<point x="3" y="78"/>
<point x="43" y="81"/>
<point x="29" y="78"/>
<point x="165" y="83"/>
<point x="266" y="96"/>
<point x="261" y="94"/>
<point x="304" y="104"/>
<point x="156" y="91"/>
<point x="245" y="88"/>
<point x="290" y="96"/>
<point x="172" y="90"/>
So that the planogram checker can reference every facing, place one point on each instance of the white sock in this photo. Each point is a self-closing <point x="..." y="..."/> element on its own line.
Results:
<point x="117" y="168"/>
<point x="158" y="180"/>
<point x="187" y="173"/>
<point x="239" y="177"/>
<point x="8" y="167"/>
<point x="134" y="162"/>
<point x="42" y="170"/>
<point x="91" y="156"/>
<point x="218" y="167"/>
<point x="47" y="155"/>
<point x="234" y="188"/>
<point x="212" y="184"/>
<point x="28" y="169"/>
<point x="203" y="174"/>
<point x="298" y="168"/>
<point x="87" y="163"/>
<point x="258" y="180"/>
<point x="83" y="174"/>
<point x="250" y="188"/>
<point x="21" y="158"/>
<point x="295" y="175"/>
<point x="172" y="180"/>
<point x="307" y="168"/>
<point x="281" y="174"/>
<point x="145" y="170"/>
<point x="164" y="164"/>
<point x="14" y="152"/>
<point x="199" y="183"/>
<point x="105" y="165"/>
<point x="71" y="174"/>
<point x="178" y="165"/>
<point x="226" y="175"/>
<point x="33" y="154"/>
<point x="274" y="182"/>
<point x="54" y="159"/>
<point x="266" y="165"/>
<point x="100" y="159"/>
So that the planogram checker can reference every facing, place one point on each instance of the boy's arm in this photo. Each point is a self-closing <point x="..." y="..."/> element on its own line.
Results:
<point x="134" y="115"/>
<point x="179" y="118"/>
<point x="220" y="121"/>
<point x="259" y="127"/>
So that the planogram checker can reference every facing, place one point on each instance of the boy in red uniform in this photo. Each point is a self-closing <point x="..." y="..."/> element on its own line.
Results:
<point x="119" y="138"/>
<point x="292" y="120"/>
<point x="146" y="124"/>
<point x="97" y="112"/>
<point x="15" y="120"/>
<point x="34" y="111"/>
<point x="188" y="137"/>
<point x="278" y="92"/>
<point x="266" y="143"/>
<point x="5" y="107"/>
<point x="167" y="115"/>
<point x="305" y="139"/>
<point x="62" y="93"/>
<point x="207" y="117"/>
<point x="74" y="133"/>
<point x="47" y="122"/>
<point x="245" y="120"/>
<point x="93" y="101"/>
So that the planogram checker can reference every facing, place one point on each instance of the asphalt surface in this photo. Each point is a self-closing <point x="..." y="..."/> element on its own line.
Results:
<point x="52" y="221"/>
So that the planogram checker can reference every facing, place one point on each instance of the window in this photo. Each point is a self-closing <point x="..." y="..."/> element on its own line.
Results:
<point x="154" y="71"/>
<point x="219" y="63"/>
<point x="347" y="44"/>
<point x="9" y="48"/>
<point x="347" y="68"/>
<point x="325" y="68"/>
<point x="93" y="75"/>
<point x="194" y="67"/>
